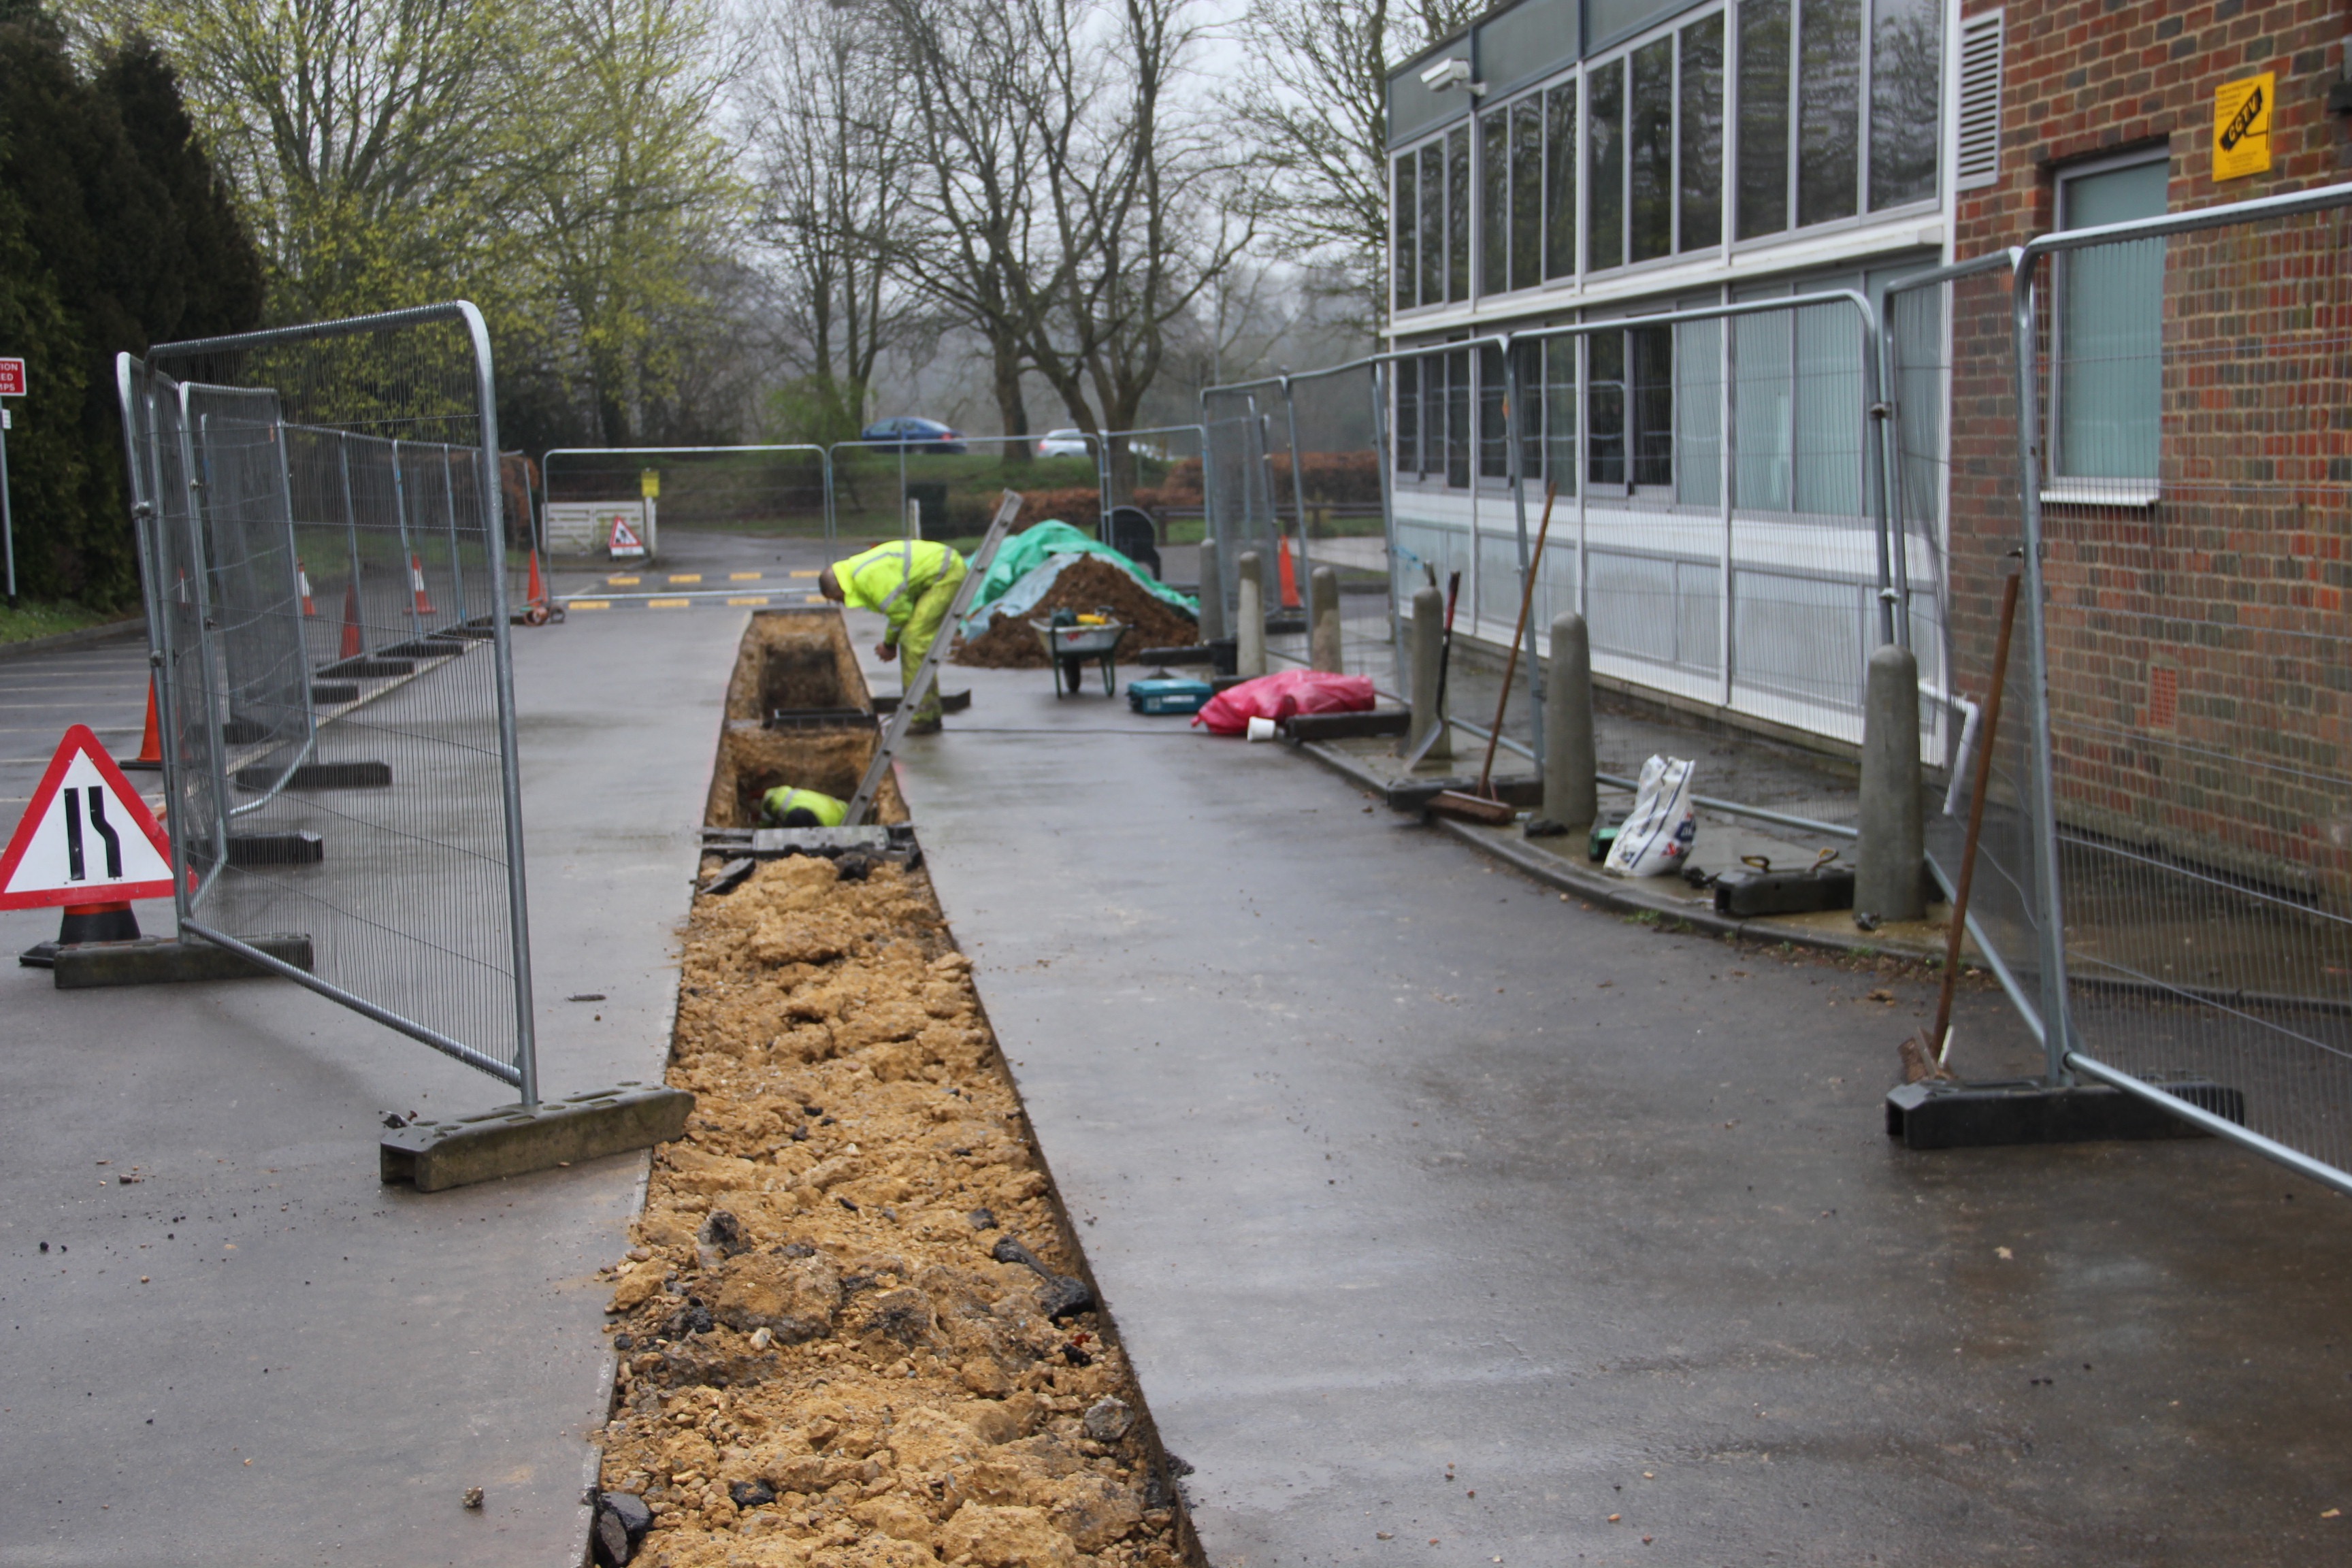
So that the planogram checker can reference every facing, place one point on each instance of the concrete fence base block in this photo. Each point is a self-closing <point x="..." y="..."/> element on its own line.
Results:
<point x="514" y="1140"/>
<point x="162" y="961"/>
<point x="2027" y="1110"/>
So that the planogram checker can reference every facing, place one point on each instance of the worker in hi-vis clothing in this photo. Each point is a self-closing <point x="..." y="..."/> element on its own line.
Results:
<point x="913" y="581"/>
<point x="788" y="806"/>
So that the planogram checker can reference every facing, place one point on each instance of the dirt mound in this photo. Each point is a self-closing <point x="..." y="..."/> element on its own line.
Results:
<point x="1086" y="585"/>
<point x="828" y="1356"/>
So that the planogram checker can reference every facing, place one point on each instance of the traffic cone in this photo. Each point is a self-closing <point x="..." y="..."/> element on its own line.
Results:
<point x="354" y="643"/>
<point x="151" y="744"/>
<point x="1289" y="577"/>
<point x="302" y="581"/>
<point x="537" y="593"/>
<point x="416" y="584"/>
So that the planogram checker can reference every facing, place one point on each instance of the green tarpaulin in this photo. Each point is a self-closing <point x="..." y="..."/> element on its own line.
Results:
<point x="1022" y="553"/>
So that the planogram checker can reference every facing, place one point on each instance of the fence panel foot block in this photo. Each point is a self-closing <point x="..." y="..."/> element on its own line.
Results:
<point x="162" y="961"/>
<point x="2027" y="1110"/>
<point x="515" y="1140"/>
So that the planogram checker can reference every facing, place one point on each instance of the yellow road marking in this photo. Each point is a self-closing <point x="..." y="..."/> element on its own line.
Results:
<point x="807" y="574"/>
<point x="754" y="599"/>
<point x="667" y="603"/>
<point x="816" y="598"/>
<point x="743" y="577"/>
<point x="625" y="581"/>
<point x="686" y="577"/>
<point x="587" y="603"/>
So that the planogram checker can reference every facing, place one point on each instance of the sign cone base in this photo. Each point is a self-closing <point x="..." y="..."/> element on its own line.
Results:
<point x="84" y="922"/>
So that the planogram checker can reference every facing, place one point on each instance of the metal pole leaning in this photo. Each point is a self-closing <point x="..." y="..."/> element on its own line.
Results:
<point x="1517" y="458"/>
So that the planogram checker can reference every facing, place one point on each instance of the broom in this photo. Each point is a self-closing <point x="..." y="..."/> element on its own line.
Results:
<point x="1923" y="1053"/>
<point x="1482" y="806"/>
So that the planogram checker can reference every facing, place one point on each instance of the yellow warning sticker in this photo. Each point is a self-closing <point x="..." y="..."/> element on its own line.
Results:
<point x="2241" y="126"/>
<point x="650" y="483"/>
<point x="624" y="582"/>
<point x="686" y="577"/>
<point x="751" y="599"/>
<point x="743" y="577"/>
<point x="587" y="603"/>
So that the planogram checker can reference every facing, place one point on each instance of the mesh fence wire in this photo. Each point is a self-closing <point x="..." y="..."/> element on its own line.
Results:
<point x="1339" y="487"/>
<point x="2194" y="520"/>
<point x="947" y="488"/>
<point x="768" y="491"/>
<point x="326" y="550"/>
<point x="1238" y="481"/>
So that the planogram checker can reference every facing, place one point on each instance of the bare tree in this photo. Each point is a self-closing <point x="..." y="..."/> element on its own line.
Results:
<point x="1315" y="100"/>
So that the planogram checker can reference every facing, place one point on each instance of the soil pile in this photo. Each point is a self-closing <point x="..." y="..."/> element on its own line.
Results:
<point x="823" y="1361"/>
<point x="1086" y="585"/>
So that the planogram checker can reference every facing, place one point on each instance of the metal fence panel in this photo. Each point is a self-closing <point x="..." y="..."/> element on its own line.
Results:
<point x="1237" y="481"/>
<point x="2193" y="513"/>
<point x="341" y="763"/>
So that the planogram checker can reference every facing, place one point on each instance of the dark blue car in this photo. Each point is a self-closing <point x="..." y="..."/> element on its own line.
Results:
<point x="914" y="436"/>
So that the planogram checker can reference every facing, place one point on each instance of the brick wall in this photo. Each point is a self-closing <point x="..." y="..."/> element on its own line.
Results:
<point x="2201" y="674"/>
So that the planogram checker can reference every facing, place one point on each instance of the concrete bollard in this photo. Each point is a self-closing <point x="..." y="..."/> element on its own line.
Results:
<point x="1887" y="880"/>
<point x="1571" y="797"/>
<point x="1428" y="639"/>
<point x="1323" y="626"/>
<point x="1249" y="647"/>
<point x="1212" y="593"/>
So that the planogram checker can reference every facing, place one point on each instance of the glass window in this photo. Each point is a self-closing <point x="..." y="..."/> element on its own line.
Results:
<point x="1907" y="63"/>
<point x="1404" y="209"/>
<point x="1559" y="412"/>
<point x="1763" y="410"/>
<point x="2108" y="362"/>
<point x="1406" y="428"/>
<point x="1702" y="134"/>
<point x="1763" y="117"/>
<point x="1698" y="411"/>
<point x="1828" y="427"/>
<point x="1559" y="194"/>
<point x="1457" y="214"/>
<point x="1604" y="408"/>
<point x="1650" y="403"/>
<point x="1528" y="417"/>
<point x="1527" y="191"/>
<point x="1493" y="426"/>
<point x="1432" y="223"/>
<point x="1651" y="150"/>
<point x="1457" y="419"/>
<point x="1494" y="203"/>
<point x="1829" y="97"/>
<point x="1604" y="242"/>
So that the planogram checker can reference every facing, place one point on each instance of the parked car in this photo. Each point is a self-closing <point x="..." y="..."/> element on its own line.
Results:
<point x="914" y="436"/>
<point x="1065" y="443"/>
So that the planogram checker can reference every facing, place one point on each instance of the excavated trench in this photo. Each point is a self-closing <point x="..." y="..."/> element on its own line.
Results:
<point x="855" y="1326"/>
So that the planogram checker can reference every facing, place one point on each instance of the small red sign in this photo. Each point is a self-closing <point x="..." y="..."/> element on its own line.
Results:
<point x="11" y="378"/>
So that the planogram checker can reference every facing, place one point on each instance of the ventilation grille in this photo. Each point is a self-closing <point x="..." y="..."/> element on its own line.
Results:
<point x="1977" y="158"/>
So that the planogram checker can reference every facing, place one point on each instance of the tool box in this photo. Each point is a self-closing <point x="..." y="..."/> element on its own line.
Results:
<point x="1167" y="694"/>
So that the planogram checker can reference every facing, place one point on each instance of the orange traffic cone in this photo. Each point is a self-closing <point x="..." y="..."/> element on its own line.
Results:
<point x="416" y="584"/>
<point x="302" y="581"/>
<point x="150" y="744"/>
<point x="354" y="643"/>
<point x="1289" y="577"/>
<point x="537" y="593"/>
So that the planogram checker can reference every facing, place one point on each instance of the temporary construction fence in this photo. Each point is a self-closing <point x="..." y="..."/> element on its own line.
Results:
<point x="320" y="522"/>
<point x="771" y="489"/>
<point x="947" y="488"/>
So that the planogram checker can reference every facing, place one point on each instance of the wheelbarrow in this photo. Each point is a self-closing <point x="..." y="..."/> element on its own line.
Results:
<point x="1070" y="644"/>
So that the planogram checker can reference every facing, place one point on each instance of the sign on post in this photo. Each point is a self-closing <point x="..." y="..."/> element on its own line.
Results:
<point x="11" y="378"/>
<point x="87" y="837"/>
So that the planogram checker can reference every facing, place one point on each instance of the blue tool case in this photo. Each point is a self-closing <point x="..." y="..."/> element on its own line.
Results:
<point x="1168" y="694"/>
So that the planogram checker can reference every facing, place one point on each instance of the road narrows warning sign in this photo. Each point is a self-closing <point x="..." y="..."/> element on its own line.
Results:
<point x="85" y="839"/>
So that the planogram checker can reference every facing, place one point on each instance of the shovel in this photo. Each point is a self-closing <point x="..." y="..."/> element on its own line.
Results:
<point x="1444" y="659"/>
<point x="1482" y="806"/>
<point x="1923" y="1053"/>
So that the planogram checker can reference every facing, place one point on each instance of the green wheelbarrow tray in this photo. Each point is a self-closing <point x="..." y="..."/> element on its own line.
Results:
<point x="1069" y="647"/>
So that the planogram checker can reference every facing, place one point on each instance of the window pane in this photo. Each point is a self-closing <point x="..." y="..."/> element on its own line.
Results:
<point x="1457" y="419"/>
<point x="1495" y="200"/>
<point x="1763" y="117"/>
<point x="1526" y="192"/>
<point x="1405" y="208"/>
<point x="1605" y="243"/>
<point x="1906" y="42"/>
<point x="1457" y="214"/>
<point x="1560" y="193"/>
<point x="1763" y="413"/>
<point x="1432" y="415"/>
<point x="1493" y="431"/>
<point x="2109" y="360"/>
<point x="1702" y="134"/>
<point x="1432" y="223"/>
<point x="1528" y="416"/>
<point x="1828" y="422"/>
<point x="1559" y="412"/>
<point x="1698" y="413"/>
<point x="1406" y="428"/>
<point x="1829" y="92"/>
<point x="1652" y="149"/>
<point x="1651" y="402"/>
<point x="1604" y="408"/>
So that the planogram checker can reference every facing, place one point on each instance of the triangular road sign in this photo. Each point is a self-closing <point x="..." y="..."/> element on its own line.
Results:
<point x="625" y="541"/>
<point x="86" y="838"/>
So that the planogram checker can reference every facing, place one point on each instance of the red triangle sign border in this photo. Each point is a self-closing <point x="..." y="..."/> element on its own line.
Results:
<point x="80" y="742"/>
